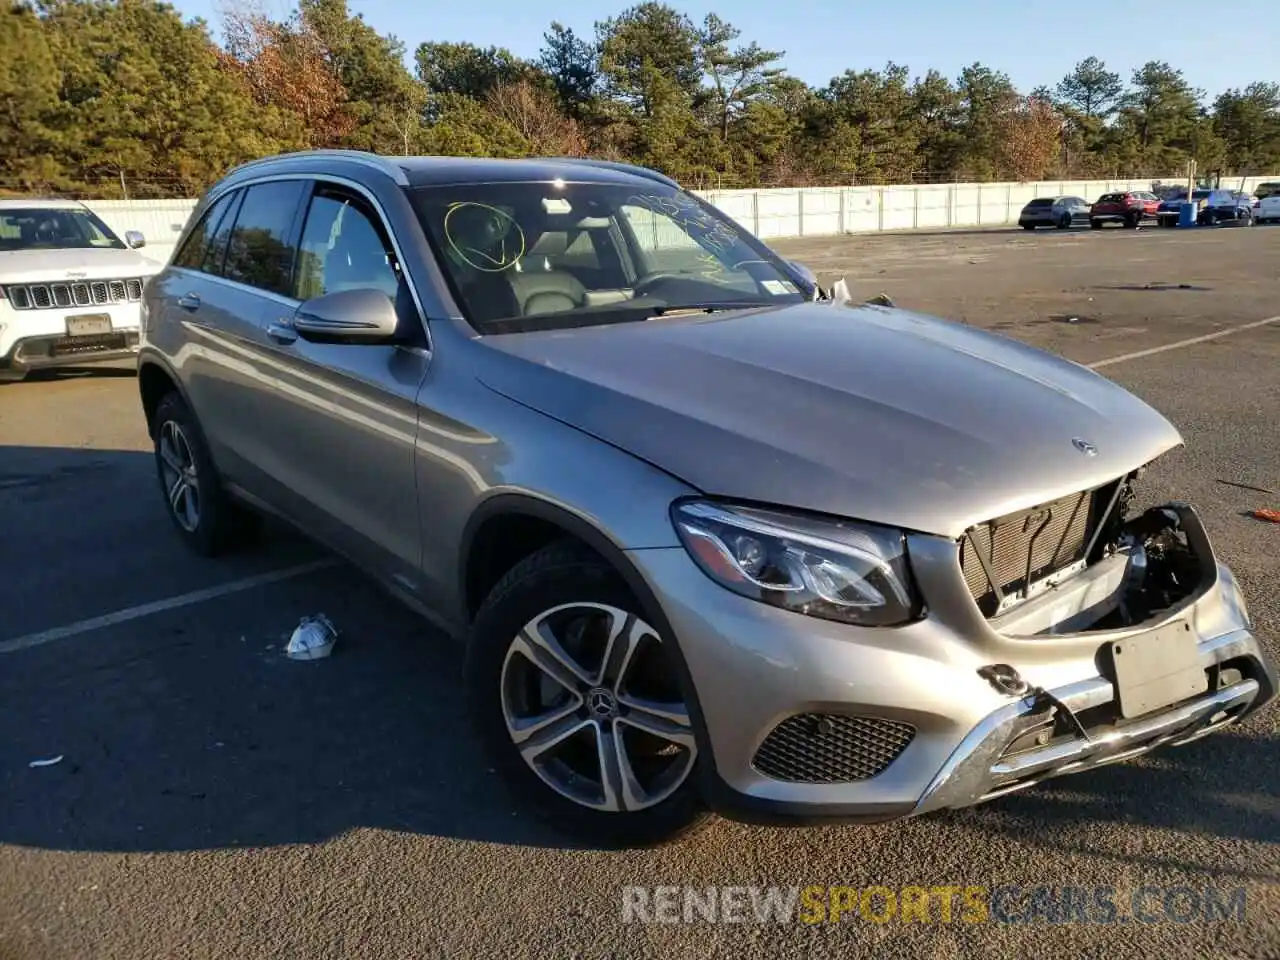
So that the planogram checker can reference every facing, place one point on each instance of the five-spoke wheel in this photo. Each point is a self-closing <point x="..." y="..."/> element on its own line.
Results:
<point x="579" y="699"/>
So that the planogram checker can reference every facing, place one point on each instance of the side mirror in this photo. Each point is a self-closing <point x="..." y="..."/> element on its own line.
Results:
<point x="809" y="276"/>
<point x="134" y="239"/>
<point x="360" y="315"/>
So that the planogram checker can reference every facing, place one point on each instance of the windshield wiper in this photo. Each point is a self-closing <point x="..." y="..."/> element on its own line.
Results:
<point x="709" y="307"/>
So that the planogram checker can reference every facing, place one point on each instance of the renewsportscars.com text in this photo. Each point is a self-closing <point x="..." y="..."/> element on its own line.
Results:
<point x="968" y="904"/>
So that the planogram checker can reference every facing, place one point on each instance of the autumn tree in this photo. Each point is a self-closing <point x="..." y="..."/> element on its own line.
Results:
<point x="286" y="65"/>
<point x="1030" y="132"/>
<point x="531" y="111"/>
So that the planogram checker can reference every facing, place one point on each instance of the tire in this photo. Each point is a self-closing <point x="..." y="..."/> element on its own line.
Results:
<point x="12" y="376"/>
<point x="571" y="594"/>
<point x="1095" y="224"/>
<point x="1027" y="226"/>
<point x="207" y="520"/>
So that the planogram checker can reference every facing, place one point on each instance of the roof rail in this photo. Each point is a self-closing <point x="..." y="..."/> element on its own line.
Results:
<point x="373" y="160"/>
<point x="622" y="167"/>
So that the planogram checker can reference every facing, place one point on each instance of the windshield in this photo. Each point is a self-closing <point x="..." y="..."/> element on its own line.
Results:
<point x="550" y="255"/>
<point x="51" y="228"/>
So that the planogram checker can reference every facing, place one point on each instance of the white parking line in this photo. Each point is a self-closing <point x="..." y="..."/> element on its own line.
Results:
<point x="160" y="606"/>
<point x="1181" y="343"/>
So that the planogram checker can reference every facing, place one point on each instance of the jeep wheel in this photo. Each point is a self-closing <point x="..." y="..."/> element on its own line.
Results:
<point x="206" y="519"/>
<point x="578" y="705"/>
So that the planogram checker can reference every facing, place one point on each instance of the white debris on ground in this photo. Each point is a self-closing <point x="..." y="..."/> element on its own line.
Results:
<point x="313" y="639"/>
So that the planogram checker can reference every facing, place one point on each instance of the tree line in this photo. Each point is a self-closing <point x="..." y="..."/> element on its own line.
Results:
<point x="112" y="97"/>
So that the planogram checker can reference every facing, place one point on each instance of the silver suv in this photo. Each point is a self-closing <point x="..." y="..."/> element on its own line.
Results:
<point x="707" y="536"/>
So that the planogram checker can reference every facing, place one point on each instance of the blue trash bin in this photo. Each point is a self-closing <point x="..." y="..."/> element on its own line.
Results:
<point x="1187" y="213"/>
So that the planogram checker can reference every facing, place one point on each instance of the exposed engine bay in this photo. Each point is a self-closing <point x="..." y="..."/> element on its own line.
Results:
<point x="1137" y="567"/>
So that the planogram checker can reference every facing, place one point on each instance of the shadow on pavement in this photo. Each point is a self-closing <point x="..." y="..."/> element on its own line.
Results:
<point x="189" y="729"/>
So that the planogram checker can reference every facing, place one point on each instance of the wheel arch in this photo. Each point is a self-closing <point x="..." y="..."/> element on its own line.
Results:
<point x="529" y="523"/>
<point x="156" y="377"/>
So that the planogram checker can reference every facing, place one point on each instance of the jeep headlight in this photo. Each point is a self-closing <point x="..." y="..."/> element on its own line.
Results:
<point x="834" y="569"/>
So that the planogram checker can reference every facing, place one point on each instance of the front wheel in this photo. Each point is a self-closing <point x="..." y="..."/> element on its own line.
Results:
<point x="576" y="700"/>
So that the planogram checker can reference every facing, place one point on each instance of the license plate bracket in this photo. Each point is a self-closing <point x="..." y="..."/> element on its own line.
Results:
<point x="1157" y="669"/>
<point x="89" y="325"/>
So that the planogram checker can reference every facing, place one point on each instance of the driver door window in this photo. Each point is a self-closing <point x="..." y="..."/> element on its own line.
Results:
<point x="343" y="248"/>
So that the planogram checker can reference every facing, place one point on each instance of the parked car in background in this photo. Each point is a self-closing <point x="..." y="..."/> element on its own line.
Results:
<point x="1225" y="205"/>
<point x="1267" y="209"/>
<point x="1060" y="212"/>
<point x="1129" y="208"/>
<point x="70" y="289"/>
<point x="1171" y="207"/>
<point x="1270" y="188"/>
<point x="703" y="534"/>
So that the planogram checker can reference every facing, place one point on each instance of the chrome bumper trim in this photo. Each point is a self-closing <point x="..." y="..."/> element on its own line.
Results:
<point x="977" y="770"/>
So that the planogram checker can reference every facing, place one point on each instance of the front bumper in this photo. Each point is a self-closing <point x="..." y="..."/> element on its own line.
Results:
<point x="36" y="339"/>
<point x="753" y="666"/>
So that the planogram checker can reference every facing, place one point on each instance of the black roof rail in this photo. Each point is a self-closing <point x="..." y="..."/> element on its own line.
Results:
<point x="619" y="166"/>
<point x="377" y="161"/>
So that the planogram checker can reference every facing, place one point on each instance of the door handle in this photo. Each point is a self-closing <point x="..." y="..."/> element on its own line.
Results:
<point x="189" y="301"/>
<point x="282" y="332"/>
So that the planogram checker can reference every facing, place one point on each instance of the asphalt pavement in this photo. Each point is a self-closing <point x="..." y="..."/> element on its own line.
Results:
<point x="215" y="799"/>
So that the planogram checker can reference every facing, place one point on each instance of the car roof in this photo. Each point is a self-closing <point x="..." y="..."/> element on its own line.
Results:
<point x="432" y="171"/>
<point x="28" y="203"/>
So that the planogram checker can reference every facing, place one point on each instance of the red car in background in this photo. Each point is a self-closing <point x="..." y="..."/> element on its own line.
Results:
<point x="1129" y="208"/>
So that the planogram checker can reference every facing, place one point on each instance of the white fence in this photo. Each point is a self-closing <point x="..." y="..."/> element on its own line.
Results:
<point x="769" y="214"/>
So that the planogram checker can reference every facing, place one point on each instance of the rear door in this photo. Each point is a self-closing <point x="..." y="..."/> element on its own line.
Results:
<point x="342" y="420"/>
<point x="203" y="325"/>
<point x="245" y="286"/>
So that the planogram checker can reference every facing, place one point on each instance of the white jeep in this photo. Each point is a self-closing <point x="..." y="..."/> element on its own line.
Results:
<point x="70" y="289"/>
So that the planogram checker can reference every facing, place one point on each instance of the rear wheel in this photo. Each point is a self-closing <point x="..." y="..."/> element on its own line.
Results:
<point x="206" y="519"/>
<point x="578" y="704"/>
<point x="1027" y="226"/>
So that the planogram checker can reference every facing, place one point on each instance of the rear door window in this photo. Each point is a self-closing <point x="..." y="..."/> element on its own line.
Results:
<point x="263" y="245"/>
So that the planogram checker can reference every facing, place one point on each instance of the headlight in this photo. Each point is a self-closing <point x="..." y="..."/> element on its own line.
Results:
<point x="836" y="570"/>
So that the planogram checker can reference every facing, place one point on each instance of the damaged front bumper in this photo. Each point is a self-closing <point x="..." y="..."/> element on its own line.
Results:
<point x="988" y="764"/>
<point x="810" y="720"/>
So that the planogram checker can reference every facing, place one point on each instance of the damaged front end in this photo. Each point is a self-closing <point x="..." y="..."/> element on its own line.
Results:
<point x="1172" y="656"/>
<point x="1101" y="569"/>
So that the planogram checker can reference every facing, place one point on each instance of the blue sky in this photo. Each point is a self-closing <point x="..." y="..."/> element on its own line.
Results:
<point x="1033" y="41"/>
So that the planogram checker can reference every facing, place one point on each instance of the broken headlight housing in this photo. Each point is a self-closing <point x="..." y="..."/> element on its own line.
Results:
<point x="834" y="569"/>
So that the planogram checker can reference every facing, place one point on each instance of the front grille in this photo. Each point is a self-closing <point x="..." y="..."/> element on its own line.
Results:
<point x="88" y="293"/>
<point x="831" y="748"/>
<point x="1021" y="548"/>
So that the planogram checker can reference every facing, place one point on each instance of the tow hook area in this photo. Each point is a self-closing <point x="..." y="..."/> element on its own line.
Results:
<point x="1005" y="679"/>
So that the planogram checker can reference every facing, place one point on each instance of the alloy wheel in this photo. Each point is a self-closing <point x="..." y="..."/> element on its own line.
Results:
<point x="591" y="705"/>
<point x="178" y="470"/>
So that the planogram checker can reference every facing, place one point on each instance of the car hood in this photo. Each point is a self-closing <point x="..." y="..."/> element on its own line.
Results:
<point x="871" y="413"/>
<point x="49" y="266"/>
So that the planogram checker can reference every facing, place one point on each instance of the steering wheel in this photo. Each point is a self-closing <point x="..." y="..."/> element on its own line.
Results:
<point x="642" y="286"/>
